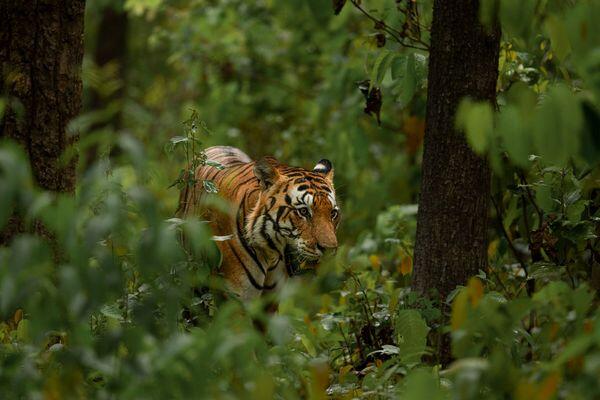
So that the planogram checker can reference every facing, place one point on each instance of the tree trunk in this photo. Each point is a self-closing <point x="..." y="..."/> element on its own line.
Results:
<point x="41" y="50"/>
<point x="453" y="206"/>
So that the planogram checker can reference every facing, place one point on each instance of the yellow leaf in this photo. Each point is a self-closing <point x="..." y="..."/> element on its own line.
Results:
<point x="549" y="386"/>
<point x="18" y="316"/>
<point x="475" y="291"/>
<point x="459" y="310"/>
<point x="406" y="266"/>
<point x="544" y="390"/>
<point x="526" y="391"/>
<point x="375" y="261"/>
<point x="414" y="128"/>
<point x="264" y="387"/>
<point x="325" y="303"/>
<point x="343" y="372"/>
<point x="121" y="251"/>
<point x="310" y="348"/>
<point x="319" y="381"/>
<point x="493" y="248"/>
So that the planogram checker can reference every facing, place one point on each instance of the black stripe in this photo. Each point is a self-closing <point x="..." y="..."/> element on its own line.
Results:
<point x="274" y="266"/>
<point x="213" y="175"/>
<point x="304" y="195"/>
<point x="234" y="175"/>
<point x="267" y="237"/>
<point x="248" y="274"/>
<point x="242" y="239"/>
<point x="280" y="213"/>
<point x="240" y="185"/>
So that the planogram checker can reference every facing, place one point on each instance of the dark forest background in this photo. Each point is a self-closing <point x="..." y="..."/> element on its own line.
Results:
<point x="465" y="140"/>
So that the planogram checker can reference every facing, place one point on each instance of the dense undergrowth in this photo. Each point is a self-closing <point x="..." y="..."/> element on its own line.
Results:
<point x="110" y="304"/>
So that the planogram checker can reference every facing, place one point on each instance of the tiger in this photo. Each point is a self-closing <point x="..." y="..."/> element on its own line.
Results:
<point x="283" y="218"/>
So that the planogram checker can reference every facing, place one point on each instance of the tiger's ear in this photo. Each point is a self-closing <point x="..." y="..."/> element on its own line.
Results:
<point x="265" y="170"/>
<point x="324" y="167"/>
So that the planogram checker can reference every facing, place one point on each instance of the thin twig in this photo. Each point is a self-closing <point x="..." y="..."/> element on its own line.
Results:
<point x="348" y="348"/>
<point x="504" y="288"/>
<point x="512" y="247"/>
<point x="389" y="30"/>
<point x="525" y="184"/>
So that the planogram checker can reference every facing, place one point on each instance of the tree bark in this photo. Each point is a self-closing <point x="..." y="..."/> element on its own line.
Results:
<point x="453" y="206"/>
<point x="41" y="50"/>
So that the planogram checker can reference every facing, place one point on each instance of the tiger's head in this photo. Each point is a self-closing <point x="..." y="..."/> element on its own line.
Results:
<point x="296" y="215"/>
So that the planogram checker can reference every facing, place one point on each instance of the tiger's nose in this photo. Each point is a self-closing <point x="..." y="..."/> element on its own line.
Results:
<point x="327" y="245"/>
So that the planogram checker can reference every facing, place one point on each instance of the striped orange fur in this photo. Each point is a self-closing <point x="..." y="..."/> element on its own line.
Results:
<point x="281" y="217"/>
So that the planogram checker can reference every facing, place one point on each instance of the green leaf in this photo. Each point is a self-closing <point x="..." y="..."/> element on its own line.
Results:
<point x="215" y="164"/>
<point x="543" y="197"/>
<point x="556" y="126"/>
<point x="477" y="121"/>
<point x="515" y="135"/>
<point x="179" y="139"/>
<point x="408" y="72"/>
<point x="412" y="335"/>
<point x="209" y="186"/>
<point x="422" y="384"/>
<point x="308" y="345"/>
<point x="558" y="36"/>
<point x="112" y="311"/>
<point x="516" y="17"/>
<point x="23" y="330"/>
<point x="380" y="66"/>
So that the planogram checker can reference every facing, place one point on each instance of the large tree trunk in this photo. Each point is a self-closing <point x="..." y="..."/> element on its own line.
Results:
<point x="453" y="206"/>
<point x="41" y="50"/>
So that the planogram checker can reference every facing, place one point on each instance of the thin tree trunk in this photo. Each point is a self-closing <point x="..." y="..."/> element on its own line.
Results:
<point x="453" y="206"/>
<point x="111" y="48"/>
<point x="41" y="50"/>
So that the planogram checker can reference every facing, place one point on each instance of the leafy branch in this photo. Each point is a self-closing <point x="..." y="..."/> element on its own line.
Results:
<point x="193" y="156"/>
<point x="398" y="35"/>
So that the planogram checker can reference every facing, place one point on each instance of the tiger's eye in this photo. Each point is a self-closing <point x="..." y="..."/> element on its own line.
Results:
<point x="334" y="214"/>
<point x="304" y="212"/>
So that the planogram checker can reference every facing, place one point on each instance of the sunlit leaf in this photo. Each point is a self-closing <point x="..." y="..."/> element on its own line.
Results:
<point x="558" y="36"/>
<point x="557" y="125"/>
<point x="460" y="307"/>
<point x="412" y="335"/>
<point x="474" y="291"/>
<point x="476" y="120"/>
